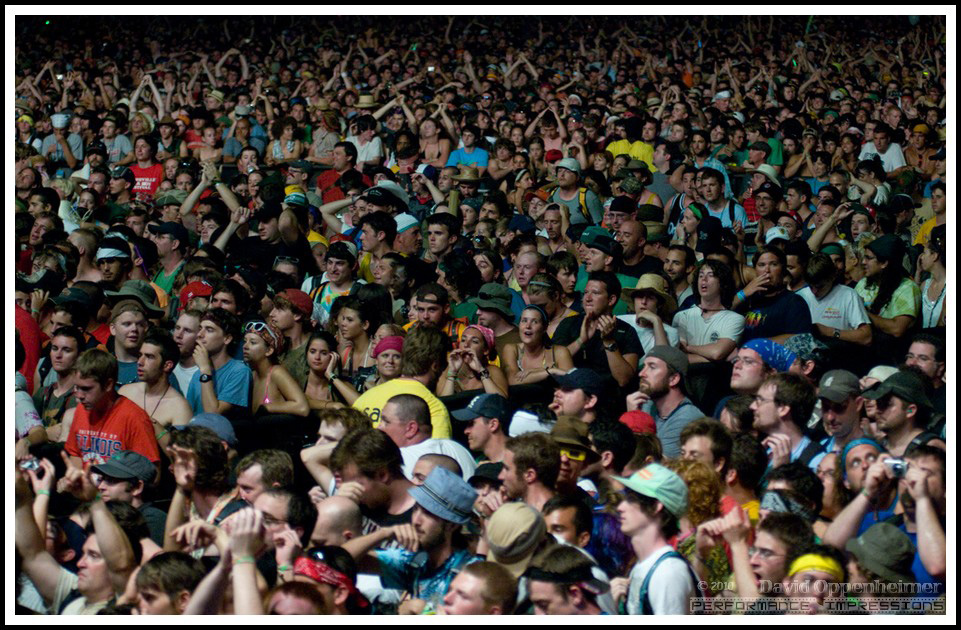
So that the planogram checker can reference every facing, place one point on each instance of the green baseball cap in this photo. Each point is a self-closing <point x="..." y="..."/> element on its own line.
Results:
<point x="905" y="385"/>
<point x="659" y="483"/>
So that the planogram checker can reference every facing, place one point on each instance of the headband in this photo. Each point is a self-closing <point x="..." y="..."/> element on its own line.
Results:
<point x="487" y="333"/>
<point x="321" y="572"/>
<point x="850" y="445"/>
<point x="817" y="562"/>
<point x="389" y="343"/>
<point x="266" y="331"/>
<point x="540" y="310"/>
<point x="109" y="252"/>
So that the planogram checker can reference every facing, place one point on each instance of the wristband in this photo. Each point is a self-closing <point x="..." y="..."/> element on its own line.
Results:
<point x="285" y="567"/>
<point x="45" y="493"/>
<point x="741" y="295"/>
<point x="157" y="437"/>
<point x="485" y="375"/>
<point x="244" y="560"/>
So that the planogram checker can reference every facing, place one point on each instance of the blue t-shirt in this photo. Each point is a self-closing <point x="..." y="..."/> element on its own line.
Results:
<point x="396" y="572"/>
<point x="764" y="317"/>
<point x="477" y="158"/>
<point x="126" y="373"/>
<point x="231" y="381"/>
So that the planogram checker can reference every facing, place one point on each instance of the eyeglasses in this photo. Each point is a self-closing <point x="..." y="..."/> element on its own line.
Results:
<point x="747" y="362"/>
<point x="760" y="401"/>
<point x="287" y="259"/>
<point x="575" y="456"/>
<point x="271" y="521"/>
<point x="764" y="553"/>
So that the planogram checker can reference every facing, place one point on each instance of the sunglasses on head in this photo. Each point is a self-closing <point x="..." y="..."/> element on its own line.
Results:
<point x="258" y="327"/>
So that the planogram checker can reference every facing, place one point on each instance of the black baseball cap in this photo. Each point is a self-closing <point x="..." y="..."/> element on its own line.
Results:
<point x="486" y="406"/>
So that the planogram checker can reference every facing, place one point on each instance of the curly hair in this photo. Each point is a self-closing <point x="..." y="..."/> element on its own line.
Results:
<point x="703" y="489"/>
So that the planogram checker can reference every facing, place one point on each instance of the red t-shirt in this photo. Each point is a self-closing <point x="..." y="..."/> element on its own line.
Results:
<point x="126" y="427"/>
<point x="328" y="191"/>
<point x="148" y="180"/>
<point x="31" y="338"/>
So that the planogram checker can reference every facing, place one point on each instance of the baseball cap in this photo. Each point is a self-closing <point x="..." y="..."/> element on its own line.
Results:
<point x="216" y="423"/>
<point x="170" y="228"/>
<point x="771" y="189"/>
<point x="570" y="164"/>
<point x="514" y="533"/>
<point x="774" y="233"/>
<point x="675" y="359"/>
<point x="838" y="385"/>
<point x="299" y="300"/>
<point x="905" y="385"/>
<point x="484" y="406"/>
<point x="446" y="496"/>
<point x="638" y="422"/>
<point x="123" y="172"/>
<point x="194" y="289"/>
<point x="488" y="472"/>
<point x="659" y="483"/>
<point x="585" y="379"/>
<point x="170" y="198"/>
<point x="885" y="551"/>
<point x="127" y="465"/>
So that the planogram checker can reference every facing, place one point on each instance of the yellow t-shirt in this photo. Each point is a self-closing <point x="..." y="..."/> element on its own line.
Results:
<point x="639" y="151"/>
<point x="373" y="400"/>
<point x="925" y="231"/>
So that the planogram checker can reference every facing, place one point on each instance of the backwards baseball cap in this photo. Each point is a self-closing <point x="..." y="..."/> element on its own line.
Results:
<point x="484" y="406"/>
<point x="299" y="300"/>
<point x="123" y="172"/>
<point x="905" y="385"/>
<point x="839" y="385"/>
<point x="342" y="250"/>
<point x="659" y="483"/>
<point x="216" y="423"/>
<point x="127" y="465"/>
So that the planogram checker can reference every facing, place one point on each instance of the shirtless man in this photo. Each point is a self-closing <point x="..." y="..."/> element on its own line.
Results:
<point x="154" y="392"/>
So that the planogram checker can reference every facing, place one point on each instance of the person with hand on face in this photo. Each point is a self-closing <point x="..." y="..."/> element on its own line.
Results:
<point x="652" y="305"/>
<point x="597" y="339"/>
<point x="662" y="396"/>
<point x="782" y="407"/>
<point x="442" y="505"/>
<point x="531" y="466"/>
<point x="769" y="309"/>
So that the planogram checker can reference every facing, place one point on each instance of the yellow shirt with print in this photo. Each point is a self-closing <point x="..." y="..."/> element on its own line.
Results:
<point x="373" y="400"/>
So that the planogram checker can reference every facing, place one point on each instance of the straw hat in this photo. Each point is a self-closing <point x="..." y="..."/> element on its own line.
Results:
<point x="365" y="101"/>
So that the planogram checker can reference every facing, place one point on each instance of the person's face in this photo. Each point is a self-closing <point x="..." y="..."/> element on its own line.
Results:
<point x="770" y="264"/>
<point x="511" y="478"/>
<point x="882" y="141"/>
<point x="269" y="231"/>
<point x="274" y="511"/>
<point x="430" y="314"/>
<point x="794" y="268"/>
<point x="142" y="150"/>
<point x="409" y="241"/>
<point x="922" y="355"/>
<point x="548" y="599"/>
<point x="389" y="364"/>
<point x="114" y="489"/>
<point x="768" y="559"/>
<point x="464" y="596"/>
<point x="430" y="529"/>
<point x="646" y="302"/>
<point x="689" y="221"/>
<point x="250" y="483"/>
<point x="255" y="349"/>
<point x="648" y="132"/>
<point x="595" y="259"/>
<point x="596" y="300"/>
<point x="185" y="334"/>
<point x="282" y="318"/>
<point x="698" y="448"/>
<point x="89" y="392"/>
<point x="765" y="408"/>
<point x="151" y="601"/>
<point x="473" y="340"/>
<point x="468" y="138"/>
<point x="525" y="268"/>
<point x="531" y="326"/>
<point x="675" y="265"/>
<point x="128" y="329"/>
<point x="871" y="265"/>
<point x="632" y="519"/>
<point x="211" y="337"/>
<point x="438" y="239"/>
<point x="859" y="225"/>
<point x="748" y="371"/>
<point x="369" y="238"/>
<point x="108" y="130"/>
<point x="117" y="185"/>
<point x="318" y="356"/>
<point x="841" y="418"/>
<point x="93" y="577"/>
<point x="350" y="324"/>
<point x="892" y="413"/>
<point x="698" y="145"/>
<point x="571" y="468"/>
<point x="566" y="178"/>
<point x="856" y="464"/>
<point x="184" y="182"/>
<point x="478" y="432"/>
<point x="655" y="378"/>
<point x="63" y="353"/>
<point x="150" y="364"/>
<point x="708" y="284"/>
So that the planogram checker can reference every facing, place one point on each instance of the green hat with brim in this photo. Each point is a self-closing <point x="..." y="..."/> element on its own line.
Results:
<point x="659" y="483"/>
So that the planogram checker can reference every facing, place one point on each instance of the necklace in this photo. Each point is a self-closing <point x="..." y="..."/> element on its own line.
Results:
<point x="158" y="402"/>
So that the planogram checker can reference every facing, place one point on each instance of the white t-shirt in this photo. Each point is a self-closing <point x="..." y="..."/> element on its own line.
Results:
<point x="697" y="331"/>
<point x="438" y="446"/>
<point x="370" y="151"/>
<point x="842" y="308"/>
<point x="670" y="589"/>
<point x="646" y="335"/>
<point x="184" y="376"/>
<point x="892" y="159"/>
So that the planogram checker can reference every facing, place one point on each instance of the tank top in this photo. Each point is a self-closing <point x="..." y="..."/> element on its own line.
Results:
<point x="931" y="309"/>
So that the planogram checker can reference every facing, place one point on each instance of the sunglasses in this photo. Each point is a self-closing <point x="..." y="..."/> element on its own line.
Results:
<point x="575" y="456"/>
<point x="287" y="259"/>
<point x="258" y="327"/>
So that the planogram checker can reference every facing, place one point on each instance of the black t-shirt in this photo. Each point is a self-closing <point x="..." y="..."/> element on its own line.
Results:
<point x="648" y="264"/>
<point x="592" y="354"/>
<point x="262" y="254"/>
<point x="765" y="317"/>
<point x="156" y="522"/>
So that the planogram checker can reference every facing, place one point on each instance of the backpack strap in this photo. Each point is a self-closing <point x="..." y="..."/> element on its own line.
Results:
<point x="646" y="608"/>
<point x="730" y="211"/>
<point x="809" y="452"/>
<point x="920" y="439"/>
<point x="582" y="201"/>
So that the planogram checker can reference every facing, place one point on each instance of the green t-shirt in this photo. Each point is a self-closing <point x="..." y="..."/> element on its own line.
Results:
<point x="166" y="282"/>
<point x="905" y="301"/>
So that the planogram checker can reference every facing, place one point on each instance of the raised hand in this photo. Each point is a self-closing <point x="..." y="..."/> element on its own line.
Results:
<point x="76" y="481"/>
<point x="247" y="533"/>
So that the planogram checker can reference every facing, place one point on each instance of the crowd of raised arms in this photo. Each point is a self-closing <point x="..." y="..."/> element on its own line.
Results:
<point x="470" y="316"/>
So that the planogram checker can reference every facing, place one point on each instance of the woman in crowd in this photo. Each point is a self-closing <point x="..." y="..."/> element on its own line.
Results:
<point x="534" y="358"/>
<point x="472" y="365"/>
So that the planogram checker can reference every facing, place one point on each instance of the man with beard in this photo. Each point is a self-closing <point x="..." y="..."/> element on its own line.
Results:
<point x="443" y="505"/>
<point x="486" y="417"/>
<point x="531" y="465"/>
<point x="114" y="262"/>
<point x="903" y="411"/>
<point x="662" y="396"/>
<point x="921" y="488"/>
<point x="165" y="405"/>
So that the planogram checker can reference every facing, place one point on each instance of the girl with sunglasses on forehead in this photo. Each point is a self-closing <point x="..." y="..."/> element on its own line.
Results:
<point x="274" y="391"/>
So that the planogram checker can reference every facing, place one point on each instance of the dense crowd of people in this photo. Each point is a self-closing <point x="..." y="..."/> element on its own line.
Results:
<point x="477" y="316"/>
